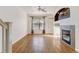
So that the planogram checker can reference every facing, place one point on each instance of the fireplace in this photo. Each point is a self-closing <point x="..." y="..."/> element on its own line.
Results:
<point x="66" y="36"/>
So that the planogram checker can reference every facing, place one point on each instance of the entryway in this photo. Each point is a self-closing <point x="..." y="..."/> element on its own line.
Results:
<point x="38" y="25"/>
<point x="5" y="43"/>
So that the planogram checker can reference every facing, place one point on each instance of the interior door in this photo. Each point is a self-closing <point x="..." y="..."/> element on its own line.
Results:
<point x="38" y="25"/>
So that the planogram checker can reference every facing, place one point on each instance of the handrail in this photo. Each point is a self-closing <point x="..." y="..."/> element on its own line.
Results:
<point x="3" y="24"/>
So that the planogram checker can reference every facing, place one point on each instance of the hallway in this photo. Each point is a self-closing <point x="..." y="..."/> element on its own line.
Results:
<point x="41" y="44"/>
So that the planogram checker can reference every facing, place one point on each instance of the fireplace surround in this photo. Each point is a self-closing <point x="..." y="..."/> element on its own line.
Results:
<point x="68" y="35"/>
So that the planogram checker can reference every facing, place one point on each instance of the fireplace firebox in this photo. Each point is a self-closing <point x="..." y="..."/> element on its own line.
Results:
<point x="66" y="36"/>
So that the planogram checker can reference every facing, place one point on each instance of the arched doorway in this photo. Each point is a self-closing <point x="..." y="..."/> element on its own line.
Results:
<point x="62" y="13"/>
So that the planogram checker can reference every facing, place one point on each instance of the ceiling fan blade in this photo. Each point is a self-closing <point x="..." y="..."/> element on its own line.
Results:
<point x="39" y="8"/>
<point x="43" y="10"/>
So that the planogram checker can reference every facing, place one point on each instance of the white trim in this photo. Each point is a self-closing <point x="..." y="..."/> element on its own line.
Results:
<point x="77" y="50"/>
<point x="3" y="24"/>
<point x="19" y="39"/>
<point x="4" y="37"/>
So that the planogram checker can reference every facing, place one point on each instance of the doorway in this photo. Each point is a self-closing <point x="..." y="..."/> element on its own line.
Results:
<point x="38" y="25"/>
<point x="3" y="36"/>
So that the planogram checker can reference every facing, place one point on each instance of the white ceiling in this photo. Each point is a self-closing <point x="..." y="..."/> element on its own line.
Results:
<point x="32" y="10"/>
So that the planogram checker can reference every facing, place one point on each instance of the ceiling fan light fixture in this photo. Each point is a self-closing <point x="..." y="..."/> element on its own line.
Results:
<point x="41" y="9"/>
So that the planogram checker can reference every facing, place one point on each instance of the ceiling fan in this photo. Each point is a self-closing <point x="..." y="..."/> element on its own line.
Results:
<point x="41" y="9"/>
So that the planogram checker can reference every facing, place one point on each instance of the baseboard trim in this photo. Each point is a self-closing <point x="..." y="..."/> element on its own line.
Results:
<point x="42" y="34"/>
<point x="48" y="33"/>
<point x="19" y="39"/>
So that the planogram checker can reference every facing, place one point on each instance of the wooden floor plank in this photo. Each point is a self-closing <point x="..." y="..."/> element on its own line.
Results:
<point x="41" y="44"/>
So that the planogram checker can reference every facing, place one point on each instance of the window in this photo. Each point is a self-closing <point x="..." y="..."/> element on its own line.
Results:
<point x="38" y="23"/>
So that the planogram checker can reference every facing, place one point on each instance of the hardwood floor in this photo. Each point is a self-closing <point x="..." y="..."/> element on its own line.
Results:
<point x="41" y="44"/>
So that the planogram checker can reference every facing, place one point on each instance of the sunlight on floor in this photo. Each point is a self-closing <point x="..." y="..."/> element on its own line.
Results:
<point x="52" y="35"/>
<point x="38" y="43"/>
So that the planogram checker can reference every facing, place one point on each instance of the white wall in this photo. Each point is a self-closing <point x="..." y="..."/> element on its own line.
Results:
<point x="29" y="24"/>
<point x="57" y="30"/>
<point x="19" y="21"/>
<point x="49" y="24"/>
<point x="73" y="20"/>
